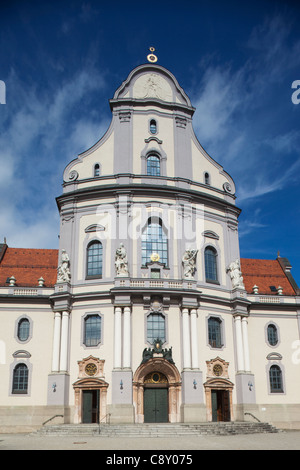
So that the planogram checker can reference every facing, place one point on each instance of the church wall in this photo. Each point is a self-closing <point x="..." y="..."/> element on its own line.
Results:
<point x="27" y="352"/>
<point x="103" y="351"/>
<point x="262" y="355"/>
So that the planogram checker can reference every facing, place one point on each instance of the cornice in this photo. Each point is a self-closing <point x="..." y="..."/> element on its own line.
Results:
<point x="135" y="189"/>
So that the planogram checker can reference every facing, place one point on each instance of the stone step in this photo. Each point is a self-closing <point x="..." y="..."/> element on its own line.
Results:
<point x="157" y="429"/>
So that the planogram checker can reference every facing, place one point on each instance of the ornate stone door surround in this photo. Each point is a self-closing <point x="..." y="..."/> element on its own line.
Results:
<point x="90" y="377"/>
<point x="172" y="374"/>
<point x="217" y="379"/>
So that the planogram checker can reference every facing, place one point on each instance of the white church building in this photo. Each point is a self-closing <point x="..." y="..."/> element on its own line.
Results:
<point x="146" y="313"/>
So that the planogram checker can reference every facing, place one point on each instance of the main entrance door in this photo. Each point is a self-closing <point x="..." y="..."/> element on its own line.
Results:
<point x="90" y="406"/>
<point x="155" y="405"/>
<point x="220" y="405"/>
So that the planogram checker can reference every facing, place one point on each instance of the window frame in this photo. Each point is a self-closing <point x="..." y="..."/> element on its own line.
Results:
<point x="275" y="330"/>
<point x="97" y="275"/>
<point x="150" y="125"/>
<point x="18" y="391"/>
<point x="207" y="279"/>
<point x="206" y="178"/>
<point x="267" y="334"/>
<point x="97" y="170"/>
<point x="18" y="321"/>
<point x="271" y="386"/>
<point x="149" y="317"/>
<point x="210" y="340"/>
<point x="98" y="341"/>
<point x="150" y="167"/>
<point x="151" y="245"/>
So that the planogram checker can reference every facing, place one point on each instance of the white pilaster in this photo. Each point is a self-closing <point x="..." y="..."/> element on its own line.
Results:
<point x="186" y="339"/>
<point x="239" y="343"/>
<point x="126" y="337"/>
<point x="118" y="338"/>
<point x="56" y="342"/>
<point x="64" y="344"/>
<point x="194" y="339"/>
<point x="245" y="343"/>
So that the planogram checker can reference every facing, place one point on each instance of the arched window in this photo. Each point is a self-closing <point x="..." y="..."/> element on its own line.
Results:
<point x="97" y="170"/>
<point x="275" y="374"/>
<point x="206" y="178"/>
<point x="214" y="332"/>
<point x="210" y="256"/>
<point x="92" y="330"/>
<point x="153" y="165"/>
<point x="154" y="242"/>
<point x="20" y="379"/>
<point x="153" y="126"/>
<point x="23" y="329"/>
<point x="272" y="335"/>
<point x="156" y="327"/>
<point x="94" y="259"/>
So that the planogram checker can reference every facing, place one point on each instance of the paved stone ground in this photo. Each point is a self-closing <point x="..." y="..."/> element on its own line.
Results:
<point x="286" y="440"/>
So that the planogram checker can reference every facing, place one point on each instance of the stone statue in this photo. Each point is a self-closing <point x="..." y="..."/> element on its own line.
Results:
<point x="167" y="354"/>
<point x="189" y="263"/>
<point x="121" y="262"/>
<point x="234" y="270"/>
<point x="147" y="354"/>
<point x="63" y="271"/>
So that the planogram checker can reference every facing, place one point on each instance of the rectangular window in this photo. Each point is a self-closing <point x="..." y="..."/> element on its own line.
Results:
<point x="156" y="328"/>
<point x="92" y="330"/>
<point x="214" y="332"/>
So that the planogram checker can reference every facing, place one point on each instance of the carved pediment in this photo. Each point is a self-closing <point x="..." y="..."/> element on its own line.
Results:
<point x="91" y="367"/>
<point x="217" y="367"/>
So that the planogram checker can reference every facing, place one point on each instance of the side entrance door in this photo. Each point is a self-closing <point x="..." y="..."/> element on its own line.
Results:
<point x="156" y="405"/>
<point x="90" y="404"/>
<point x="220" y="405"/>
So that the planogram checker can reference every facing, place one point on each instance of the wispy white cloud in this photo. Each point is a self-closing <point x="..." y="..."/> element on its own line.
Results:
<point x="285" y="143"/>
<point x="44" y="130"/>
<point x="238" y="114"/>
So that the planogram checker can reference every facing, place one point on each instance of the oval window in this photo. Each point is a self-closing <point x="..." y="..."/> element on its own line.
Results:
<point x="153" y="127"/>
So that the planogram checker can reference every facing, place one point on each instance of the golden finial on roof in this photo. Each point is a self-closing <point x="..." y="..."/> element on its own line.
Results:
<point x="152" y="57"/>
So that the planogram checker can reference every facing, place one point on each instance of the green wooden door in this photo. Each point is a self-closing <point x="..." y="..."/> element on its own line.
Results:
<point x="156" y="405"/>
<point x="214" y="405"/>
<point x="90" y="406"/>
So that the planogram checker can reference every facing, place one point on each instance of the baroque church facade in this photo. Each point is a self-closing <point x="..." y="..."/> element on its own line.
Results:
<point x="146" y="312"/>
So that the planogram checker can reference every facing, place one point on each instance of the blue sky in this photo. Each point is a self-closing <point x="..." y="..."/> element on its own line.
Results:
<point x="62" y="61"/>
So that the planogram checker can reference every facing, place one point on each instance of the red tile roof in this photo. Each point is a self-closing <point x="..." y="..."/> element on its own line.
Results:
<point x="28" y="265"/>
<point x="264" y="274"/>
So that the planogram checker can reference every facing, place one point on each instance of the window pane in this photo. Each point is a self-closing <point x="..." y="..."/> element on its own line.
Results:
<point x="97" y="170"/>
<point x="154" y="240"/>
<point x="272" y="335"/>
<point x="153" y="165"/>
<point x="20" y="379"/>
<point x="153" y="126"/>
<point x="92" y="330"/>
<point x="275" y="379"/>
<point x="211" y="264"/>
<point x="155" y="327"/>
<point x="23" y="329"/>
<point x="214" y="332"/>
<point x="94" y="259"/>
